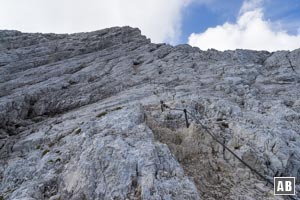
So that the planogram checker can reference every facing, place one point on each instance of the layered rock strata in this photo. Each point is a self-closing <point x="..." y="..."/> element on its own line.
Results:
<point x="80" y="118"/>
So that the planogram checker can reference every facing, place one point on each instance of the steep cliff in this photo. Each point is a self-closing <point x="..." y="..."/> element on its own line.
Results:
<point x="80" y="118"/>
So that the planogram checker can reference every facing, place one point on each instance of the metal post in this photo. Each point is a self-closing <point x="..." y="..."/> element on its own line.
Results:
<point x="162" y="106"/>
<point x="224" y="143"/>
<point x="186" y="118"/>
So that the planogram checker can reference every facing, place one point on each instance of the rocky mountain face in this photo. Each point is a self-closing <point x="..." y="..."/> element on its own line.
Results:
<point x="80" y="118"/>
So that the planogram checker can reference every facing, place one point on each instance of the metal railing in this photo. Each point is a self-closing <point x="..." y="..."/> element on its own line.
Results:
<point x="214" y="137"/>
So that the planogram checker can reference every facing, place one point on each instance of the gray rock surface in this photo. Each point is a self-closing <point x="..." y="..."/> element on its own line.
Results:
<point x="80" y="118"/>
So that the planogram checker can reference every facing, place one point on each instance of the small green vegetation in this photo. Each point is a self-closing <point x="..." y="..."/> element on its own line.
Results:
<point x="225" y="125"/>
<point x="293" y="139"/>
<point x="169" y="117"/>
<point x="1" y="198"/>
<point x="58" y="160"/>
<point x="178" y="139"/>
<point x="60" y="137"/>
<point x="51" y="144"/>
<point x="37" y="147"/>
<point x="50" y="161"/>
<point x="77" y="131"/>
<point x="72" y="82"/>
<point x="160" y="153"/>
<point x="45" y="152"/>
<point x="56" y="140"/>
<point x="102" y="114"/>
<point x="117" y="108"/>
<point x="107" y="111"/>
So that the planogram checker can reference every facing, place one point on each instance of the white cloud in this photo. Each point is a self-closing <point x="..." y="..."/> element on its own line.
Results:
<point x="251" y="31"/>
<point x="250" y="5"/>
<point x="158" y="19"/>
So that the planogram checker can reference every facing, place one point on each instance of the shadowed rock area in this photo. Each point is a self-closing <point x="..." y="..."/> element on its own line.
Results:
<point x="80" y="118"/>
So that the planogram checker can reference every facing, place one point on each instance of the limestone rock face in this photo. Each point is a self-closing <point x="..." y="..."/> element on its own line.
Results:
<point x="80" y="118"/>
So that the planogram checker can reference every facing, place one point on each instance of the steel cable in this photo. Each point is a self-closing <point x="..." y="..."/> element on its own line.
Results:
<point x="218" y="141"/>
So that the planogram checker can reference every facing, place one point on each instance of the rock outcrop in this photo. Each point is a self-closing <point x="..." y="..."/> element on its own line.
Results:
<point x="80" y="118"/>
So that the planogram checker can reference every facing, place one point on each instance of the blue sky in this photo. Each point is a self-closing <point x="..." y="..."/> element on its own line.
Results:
<point x="251" y="24"/>
<point x="287" y="12"/>
<point x="220" y="24"/>
<point x="198" y="17"/>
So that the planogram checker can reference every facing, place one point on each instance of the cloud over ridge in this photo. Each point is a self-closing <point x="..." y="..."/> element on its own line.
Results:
<point x="250" y="31"/>
<point x="158" y="19"/>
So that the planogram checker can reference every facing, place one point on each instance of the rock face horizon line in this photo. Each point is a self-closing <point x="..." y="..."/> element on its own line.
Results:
<point x="126" y="27"/>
